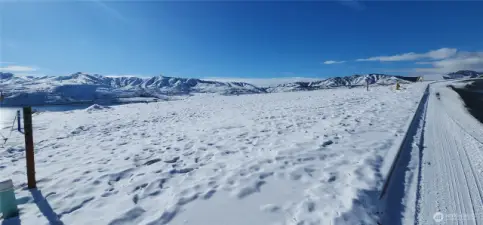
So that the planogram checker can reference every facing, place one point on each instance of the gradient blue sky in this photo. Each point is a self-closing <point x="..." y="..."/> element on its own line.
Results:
<point x="240" y="39"/>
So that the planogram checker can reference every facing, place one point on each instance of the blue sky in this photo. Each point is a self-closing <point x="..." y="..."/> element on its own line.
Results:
<point x="240" y="39"/>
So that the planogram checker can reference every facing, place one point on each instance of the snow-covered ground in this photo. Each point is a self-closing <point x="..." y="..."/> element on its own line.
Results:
<point x="440" y="177"/>
<point x="452" y="171"/>
<point x="284" y="158"/>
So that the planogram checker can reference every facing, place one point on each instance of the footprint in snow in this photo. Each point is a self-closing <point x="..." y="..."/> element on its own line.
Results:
<point x="173" y="160"/>
<point x="309" y="206"/>
<point x="183" y="170"/>
<point x="270" y="208"/>
<point x="187" y="199"/>
<point x="248" y="190"/>
<point x="264" y="175"/>
<point x="209" y="194"/>
<point x="152" y="161"/>
<point x="332" y="178"/>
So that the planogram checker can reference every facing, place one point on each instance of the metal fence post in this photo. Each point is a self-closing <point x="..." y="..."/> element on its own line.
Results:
<point x="19" y="126"/>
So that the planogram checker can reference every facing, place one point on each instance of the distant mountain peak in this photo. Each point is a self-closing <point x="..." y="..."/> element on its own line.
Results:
<point x="465" y="72"/>
<point x="83" y="87"/>
<point x="4" y="75"/>
<point x="345" y="81"/>
<point x="462" y="74"/>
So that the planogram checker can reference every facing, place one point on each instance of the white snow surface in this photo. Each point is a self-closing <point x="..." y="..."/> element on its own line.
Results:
<point x="452" y="163"/>
<point x="440" y="177"/>
<point x="283" y="158"/>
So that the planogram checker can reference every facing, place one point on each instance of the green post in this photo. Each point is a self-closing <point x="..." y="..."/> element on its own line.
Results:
<point x="8" y="202"/>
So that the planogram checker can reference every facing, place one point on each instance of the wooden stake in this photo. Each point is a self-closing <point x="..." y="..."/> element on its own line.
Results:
<point x="29" y="146"/>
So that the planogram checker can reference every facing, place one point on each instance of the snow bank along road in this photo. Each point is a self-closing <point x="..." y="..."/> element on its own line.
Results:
<point x="288" y="158"/>
<point x="439" y="179"/>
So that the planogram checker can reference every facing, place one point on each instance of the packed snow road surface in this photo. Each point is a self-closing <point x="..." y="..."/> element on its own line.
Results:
<point x="439" y="179"/>
<point x="452" y="163"/>
<point x="286" y="158"/>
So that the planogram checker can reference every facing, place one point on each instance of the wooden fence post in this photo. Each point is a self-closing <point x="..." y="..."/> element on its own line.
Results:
<point x="29" y="146"/>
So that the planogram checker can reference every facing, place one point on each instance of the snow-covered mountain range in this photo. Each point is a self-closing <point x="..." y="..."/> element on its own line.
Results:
<point x="92" y="88"/>
<point x="334" y="82"/>
<point x="81" y="87"/>
<point x="463" y="74"/>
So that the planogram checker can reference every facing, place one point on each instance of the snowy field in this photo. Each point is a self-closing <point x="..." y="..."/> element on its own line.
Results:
<point x="284" y="158"/>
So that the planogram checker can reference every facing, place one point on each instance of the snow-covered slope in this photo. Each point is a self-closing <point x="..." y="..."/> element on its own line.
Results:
<point x="282" y="158"/>
<point x="80" y="87"/>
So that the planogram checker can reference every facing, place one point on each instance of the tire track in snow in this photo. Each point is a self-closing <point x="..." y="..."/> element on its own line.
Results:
<point x="458" y="191"/>
<point x="447" y="177"/>
<point x="468" y="161"/>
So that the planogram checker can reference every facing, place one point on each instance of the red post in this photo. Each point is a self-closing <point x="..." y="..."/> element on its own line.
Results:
<point x="29" y="146"/>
